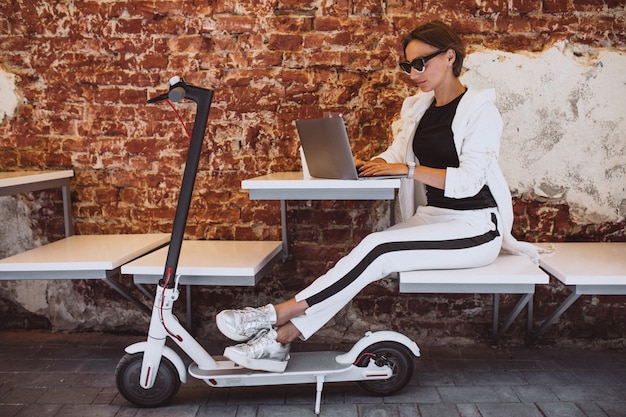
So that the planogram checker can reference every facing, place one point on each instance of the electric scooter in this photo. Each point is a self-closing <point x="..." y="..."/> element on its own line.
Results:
<point x="151" y="372"/>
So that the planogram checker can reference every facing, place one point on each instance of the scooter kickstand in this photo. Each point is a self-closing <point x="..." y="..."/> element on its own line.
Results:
<point x="318" y="394"/>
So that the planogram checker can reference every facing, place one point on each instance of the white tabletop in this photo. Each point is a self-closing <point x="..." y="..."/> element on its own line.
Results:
<point x="211" y="261"/>
<point x="586" y="263"/>
<point x="293" y="186"/>
<point x="10" y="179"/>
<point x="82" y="253"/>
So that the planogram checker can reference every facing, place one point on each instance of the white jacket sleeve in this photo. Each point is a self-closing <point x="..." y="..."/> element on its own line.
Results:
<point x="478" y="152"/>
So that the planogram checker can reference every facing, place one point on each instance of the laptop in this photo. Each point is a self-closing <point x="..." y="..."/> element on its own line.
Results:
<point x="327" y="150"/>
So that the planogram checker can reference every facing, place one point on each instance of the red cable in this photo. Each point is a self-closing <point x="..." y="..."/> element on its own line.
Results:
<point x="167" y="278"/>
<point x="180" y="119"/>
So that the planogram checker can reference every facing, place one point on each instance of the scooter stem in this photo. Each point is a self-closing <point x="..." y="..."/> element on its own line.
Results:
<point x="203" y="97"/>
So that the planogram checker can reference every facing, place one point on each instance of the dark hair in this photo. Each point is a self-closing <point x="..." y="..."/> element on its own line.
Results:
<point x="442" y="37"/>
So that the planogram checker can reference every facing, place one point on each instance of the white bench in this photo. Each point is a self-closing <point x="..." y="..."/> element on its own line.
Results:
<point x="508" y="274"/>
<point x="209" y="262"/>
<point x="586" y="268"/>
<point x="83" y="257"/>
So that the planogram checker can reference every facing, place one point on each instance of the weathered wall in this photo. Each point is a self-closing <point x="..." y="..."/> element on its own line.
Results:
<point x="76" y="75"/>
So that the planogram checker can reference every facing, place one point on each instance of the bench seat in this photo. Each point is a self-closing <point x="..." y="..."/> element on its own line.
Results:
<point x="586" y="268"/>
<point x="83" y="257"/>
<point x="508" y="274"/>
<point x="209" y="262"/>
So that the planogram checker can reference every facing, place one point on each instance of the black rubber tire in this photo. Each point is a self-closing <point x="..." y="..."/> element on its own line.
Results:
<point x="402" y="362"/>
<point x="165" y="386"/>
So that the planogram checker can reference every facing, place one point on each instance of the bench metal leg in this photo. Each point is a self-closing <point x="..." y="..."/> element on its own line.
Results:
<point x="525" y="301"/>
<point x="554" y="317"/>
<point x="144" y="291"/>
<point x="124" y="292"/>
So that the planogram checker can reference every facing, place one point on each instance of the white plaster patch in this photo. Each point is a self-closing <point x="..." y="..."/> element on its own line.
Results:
<point x="564" y="124"/>
<point x="8" y="97"/>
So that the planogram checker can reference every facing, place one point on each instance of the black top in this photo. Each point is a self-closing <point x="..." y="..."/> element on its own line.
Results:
<point x="434" y="147"/>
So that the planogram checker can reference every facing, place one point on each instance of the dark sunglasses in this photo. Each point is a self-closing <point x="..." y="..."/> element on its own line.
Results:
<point x="418" y="63"/>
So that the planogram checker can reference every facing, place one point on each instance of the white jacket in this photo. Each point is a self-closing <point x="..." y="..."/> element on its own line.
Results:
<point x="476" y="127"/>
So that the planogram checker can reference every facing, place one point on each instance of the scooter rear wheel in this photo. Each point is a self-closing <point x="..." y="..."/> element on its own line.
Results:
<point x="396" y="356"/>
<point x="127" y="374"/>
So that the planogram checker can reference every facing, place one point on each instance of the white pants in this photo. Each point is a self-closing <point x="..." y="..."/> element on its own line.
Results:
<point x="433" y="238"/>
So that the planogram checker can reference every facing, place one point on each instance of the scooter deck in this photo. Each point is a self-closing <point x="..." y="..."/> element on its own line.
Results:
<point x="303" y="367"/>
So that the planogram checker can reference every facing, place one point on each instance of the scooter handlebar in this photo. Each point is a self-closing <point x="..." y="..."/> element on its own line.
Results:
<point x="176" y="94"/>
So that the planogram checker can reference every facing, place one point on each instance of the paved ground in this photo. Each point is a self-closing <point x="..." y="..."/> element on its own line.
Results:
<point x="58" y="375"/>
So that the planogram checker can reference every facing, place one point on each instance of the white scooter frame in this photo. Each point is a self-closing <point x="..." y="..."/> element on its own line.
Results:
<point x="150" y="373"/>
<point x="385" y="357"/>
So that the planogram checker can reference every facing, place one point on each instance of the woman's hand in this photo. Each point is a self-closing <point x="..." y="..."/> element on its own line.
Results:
<point x="377" y="167"/>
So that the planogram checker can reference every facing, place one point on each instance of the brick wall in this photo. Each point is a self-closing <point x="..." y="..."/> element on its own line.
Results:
<point x="84" y="70"/>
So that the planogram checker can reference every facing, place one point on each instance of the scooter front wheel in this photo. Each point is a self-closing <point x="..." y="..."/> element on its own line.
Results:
<point x="127" y="376"/>
<point x="395" y="355"/>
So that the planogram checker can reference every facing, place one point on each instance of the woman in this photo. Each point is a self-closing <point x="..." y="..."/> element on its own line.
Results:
<point x="447" y="142"/>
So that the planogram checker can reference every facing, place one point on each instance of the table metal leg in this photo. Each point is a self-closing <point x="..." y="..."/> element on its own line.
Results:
<point x="283" y="223"/>
<point x="67" y="209"/>
<point x="189" y="324"/>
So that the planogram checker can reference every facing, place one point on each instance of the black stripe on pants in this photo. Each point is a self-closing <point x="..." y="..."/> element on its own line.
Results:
<point x="388" y="247"/>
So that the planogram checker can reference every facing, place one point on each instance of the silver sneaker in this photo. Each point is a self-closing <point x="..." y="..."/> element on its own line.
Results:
<point x="243" y="325"/>
<point x="262" y="353"/>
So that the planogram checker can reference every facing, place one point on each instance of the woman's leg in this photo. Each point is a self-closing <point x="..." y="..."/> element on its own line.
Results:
<point x="424" y="242"/>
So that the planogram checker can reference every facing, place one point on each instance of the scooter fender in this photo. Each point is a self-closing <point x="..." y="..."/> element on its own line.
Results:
<point x="374" y="337"/>
<point x="168" y="352"/>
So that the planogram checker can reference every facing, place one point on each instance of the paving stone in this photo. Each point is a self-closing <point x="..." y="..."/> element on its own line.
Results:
<point x="469" y="394"/>
<point x="593" y="409"/>
<point x="169" y="411"/>
<point x="560" y="409"/>
<point x="290" y="411"/>
<point x="582" y="393"/>
<point x="9" y="410"/>
<point x="597" y="377"/>
<point x="490" y="378"/>
<point x="87" y="411"/>
<point x="506" y="394"/>
<point x="535" y="393"/>
<point x="436" y="378"/>
<point x="438" y="410"/>
<point x="257" y="395"/>
<point x="125" y="412"/>
<point x="247" y="411"/>
<point x="613" y="409"/>
<point x="408" y="410"/>
<point x="509" y="410"/>
<point x="551" y="377"/>
<point x="468" y="410"/>
<point x="23" y="395"/>
<point x="218" y="411"/>
<point x="38" y="410"/>
<point x="378" y="410"/>
<point x="69" y="396"/>
<point x="416" y="395"/>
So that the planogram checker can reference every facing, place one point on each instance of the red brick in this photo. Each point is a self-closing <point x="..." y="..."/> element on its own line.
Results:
<point x="235" y="24"/>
